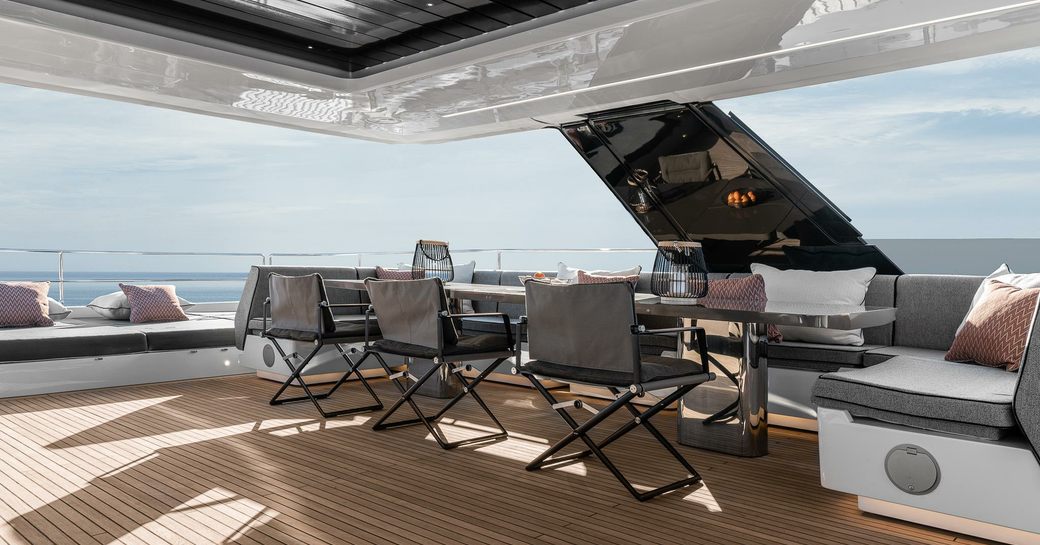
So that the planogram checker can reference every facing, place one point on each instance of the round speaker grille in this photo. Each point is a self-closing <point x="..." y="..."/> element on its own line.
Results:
<point x="912" y="469"/>
<point x="268" y="356"/>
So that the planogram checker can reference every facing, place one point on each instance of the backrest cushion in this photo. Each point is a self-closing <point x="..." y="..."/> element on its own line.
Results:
<point x="997" y="328"/>
<point x="490" y="278"/>
<point x="930" y="308"/>
<point x="153" y="303"/>
<point x="586" y="326"/>
<point x="826" y="287"/>
<point x="24" y="304"/>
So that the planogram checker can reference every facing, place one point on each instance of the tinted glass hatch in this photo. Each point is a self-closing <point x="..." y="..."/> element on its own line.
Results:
<point x="691" y="172"/>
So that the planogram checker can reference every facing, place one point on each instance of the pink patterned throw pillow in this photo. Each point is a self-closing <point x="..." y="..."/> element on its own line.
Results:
<point x="997" y="328"/>
<point x="153" y="304"/>
<point x="24" y="304"/>
<point x="586" y="278"/>
<point x="751" y="289"/>
<point x="393" y="274"/>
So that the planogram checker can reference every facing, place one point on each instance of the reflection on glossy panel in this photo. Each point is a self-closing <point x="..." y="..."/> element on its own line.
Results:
<point x="690" y="172"/>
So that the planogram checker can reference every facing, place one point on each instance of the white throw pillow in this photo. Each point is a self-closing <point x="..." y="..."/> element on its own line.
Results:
<point x="831" y="287"/>
<point x="464" y="275"/>
<point x="570" y="275"/>
<point x="1007" y="276"/>
<point x="57" y="311"/>
<point x="116" y="306"/>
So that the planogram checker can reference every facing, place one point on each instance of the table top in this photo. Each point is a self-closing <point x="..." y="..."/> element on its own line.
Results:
<point x="771" y="312"/>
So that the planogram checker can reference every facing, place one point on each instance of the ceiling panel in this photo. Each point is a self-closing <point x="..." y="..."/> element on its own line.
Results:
<point x="343" y="35"/>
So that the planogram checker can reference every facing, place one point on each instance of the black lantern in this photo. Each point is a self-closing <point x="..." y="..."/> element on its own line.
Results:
<point x="432" y="260"/>
<point x="680" y="273"/>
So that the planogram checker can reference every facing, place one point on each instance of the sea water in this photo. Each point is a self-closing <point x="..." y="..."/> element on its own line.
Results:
<point x="82" y="287"/>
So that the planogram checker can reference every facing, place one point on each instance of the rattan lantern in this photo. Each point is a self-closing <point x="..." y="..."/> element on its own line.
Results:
<point x="680" y="273"/>
<point x="432" y="260"/>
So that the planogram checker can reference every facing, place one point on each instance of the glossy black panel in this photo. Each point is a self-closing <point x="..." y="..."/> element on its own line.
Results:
<point x="691" y="172"/>
<point x="340" y="34"/>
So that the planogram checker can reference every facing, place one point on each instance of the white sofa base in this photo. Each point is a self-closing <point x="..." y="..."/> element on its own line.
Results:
<point x="960" y="525"/>
<point x="66" y="375"/>
<point x="994" y="485"/>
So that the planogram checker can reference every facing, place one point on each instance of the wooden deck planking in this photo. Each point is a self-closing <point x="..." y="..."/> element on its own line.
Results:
<point x="209" y="461"/>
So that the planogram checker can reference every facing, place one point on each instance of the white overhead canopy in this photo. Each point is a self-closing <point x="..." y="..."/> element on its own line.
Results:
<point x="616" y="54"/>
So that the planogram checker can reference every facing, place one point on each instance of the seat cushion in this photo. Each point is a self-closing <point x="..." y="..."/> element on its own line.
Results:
<point x="949" y="397"/>
<point x="69" y="340"/>
<point x="198" y="332"/>
<point x="811" y="353"/>
<point x="885" y="353"/>
<point x="651" y="368"/>
<point x="468" y="345"/>
<point x="348" y="329"/>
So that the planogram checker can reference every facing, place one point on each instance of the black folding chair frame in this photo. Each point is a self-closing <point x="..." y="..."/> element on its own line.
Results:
<point x="455" y="369"/>
<point x="297" y="371"/>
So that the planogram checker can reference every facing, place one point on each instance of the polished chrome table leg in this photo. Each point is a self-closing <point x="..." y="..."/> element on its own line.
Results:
<point x="729" y="414"/>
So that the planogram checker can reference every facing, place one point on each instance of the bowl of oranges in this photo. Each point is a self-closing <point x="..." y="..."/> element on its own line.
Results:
<point x="742" y="198"/>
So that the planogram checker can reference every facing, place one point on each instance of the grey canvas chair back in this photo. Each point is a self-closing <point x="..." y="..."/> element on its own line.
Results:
<point x="295" y="304"/>
<point x="1026" y="402"/>
<point x="409" y="311"/>
<point x="584" y="325"/>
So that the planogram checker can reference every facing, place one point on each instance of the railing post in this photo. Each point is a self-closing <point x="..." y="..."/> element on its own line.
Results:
<point x="359" y="260"/>
<point x="61" y="277"/>
<point x="499" y="259"/>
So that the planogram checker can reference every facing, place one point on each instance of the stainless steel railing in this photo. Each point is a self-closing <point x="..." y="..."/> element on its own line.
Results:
<point x="60" y="256"/>
<point x="268" y="258"/>
<point x="498" y="252"/>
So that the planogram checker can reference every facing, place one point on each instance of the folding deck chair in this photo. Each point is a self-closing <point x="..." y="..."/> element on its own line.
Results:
<point x="300" y="311"/>
<point x="588" y="334"/>
<point x="415" y="322"/>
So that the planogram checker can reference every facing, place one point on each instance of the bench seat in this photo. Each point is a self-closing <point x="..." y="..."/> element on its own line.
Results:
<point x="816" y="357"/>
<point x="925" y="393"/>
<point x="97" y="337"/>
<point x="885" y="353"/>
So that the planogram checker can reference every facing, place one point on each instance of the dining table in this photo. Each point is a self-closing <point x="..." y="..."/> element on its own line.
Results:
<point x="729" y="414"/>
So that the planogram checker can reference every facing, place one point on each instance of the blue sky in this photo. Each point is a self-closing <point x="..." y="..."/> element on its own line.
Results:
<point x="945" y="151"/>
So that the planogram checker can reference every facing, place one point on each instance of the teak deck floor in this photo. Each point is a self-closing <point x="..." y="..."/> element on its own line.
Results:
<point x="209" y="461"/>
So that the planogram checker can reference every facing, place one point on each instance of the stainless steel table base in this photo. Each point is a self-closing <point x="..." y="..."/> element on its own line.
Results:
<point x="729" y="414"/>
<point x="440" y="386"/>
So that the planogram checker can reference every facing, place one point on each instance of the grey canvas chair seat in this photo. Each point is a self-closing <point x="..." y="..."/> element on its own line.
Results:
<point x="957" y="398"/>
<point x="300" y="311"/>
<point x="652" y="368"/>
<point x="589" y="333"/>
<point x="346" y="331"/>
<point x="416" y="322"/>
<point x="466" y="345"/>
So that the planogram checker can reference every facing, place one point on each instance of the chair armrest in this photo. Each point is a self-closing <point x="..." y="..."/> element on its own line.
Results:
<point x="521" y="324"/>
<point x="267" y="309"/>
<point x="642" y="330"/>
<point x="348" y="305"/>
<point x="503" y="315"/>
<point x="369" y="312"/>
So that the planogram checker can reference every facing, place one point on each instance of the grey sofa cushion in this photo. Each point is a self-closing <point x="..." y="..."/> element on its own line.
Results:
<point x="198" y="332"/>
<point x="490" y="278"/>
<point x="886" y="353"/>
<point x="925" y="393"/>
<point x="930" y="308"/>
<point x="70" y="339"/>
<point x="849" y="356"/>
